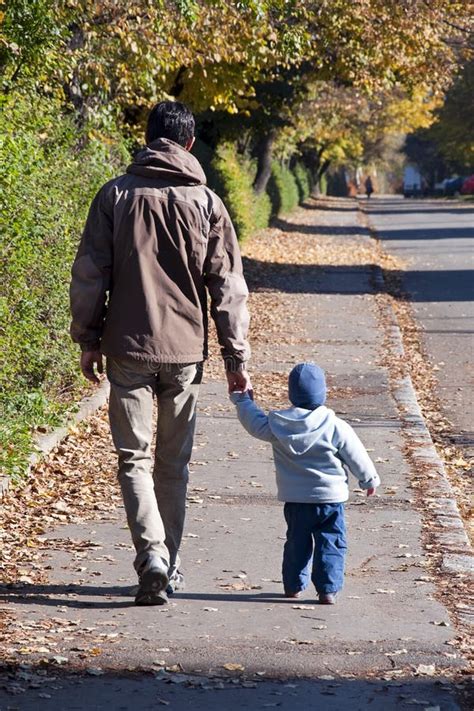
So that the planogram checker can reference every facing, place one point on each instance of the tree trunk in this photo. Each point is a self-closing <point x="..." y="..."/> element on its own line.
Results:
<point x="322" y="169"/>
<point x="178" y="83"/>
<point x="264" y="153"/>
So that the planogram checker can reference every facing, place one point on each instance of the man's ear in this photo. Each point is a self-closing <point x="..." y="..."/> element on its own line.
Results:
<point x="190" y="143"/>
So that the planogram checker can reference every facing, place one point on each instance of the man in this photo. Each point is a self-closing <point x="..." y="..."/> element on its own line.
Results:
<point x="157" y="241"/>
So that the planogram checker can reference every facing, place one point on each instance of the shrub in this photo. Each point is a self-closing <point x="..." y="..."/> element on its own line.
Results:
<point x="263" y="210"/>
<point x="233" y="178"/>
<point x="47" y="182"/>
<point x="282" y="189"/>
<point x="204" y="153"/>
<point x="323" y="185"/>
<point x="303" y="181"/>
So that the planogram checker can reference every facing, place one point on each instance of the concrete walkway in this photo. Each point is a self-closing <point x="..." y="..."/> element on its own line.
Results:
<point x="231" y="640"/>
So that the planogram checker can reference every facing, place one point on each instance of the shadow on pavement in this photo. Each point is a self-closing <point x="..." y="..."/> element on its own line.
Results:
<point x="412" y="234"/>
<point x="398" y="206"/>
<point x="319" y="204"/>
<point x="440" y="285"/>
<point x="60" y="689"/>
<point x="51" y="595"/>
<point x="331" y="230"/>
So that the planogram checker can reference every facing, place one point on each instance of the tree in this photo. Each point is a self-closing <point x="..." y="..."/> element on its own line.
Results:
<point x="453" y="129"/>
<point x="290" y="71"/>
<point x="31" y="33"/>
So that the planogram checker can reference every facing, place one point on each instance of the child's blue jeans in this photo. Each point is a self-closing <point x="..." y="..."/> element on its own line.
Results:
<point x="315" y="546"/>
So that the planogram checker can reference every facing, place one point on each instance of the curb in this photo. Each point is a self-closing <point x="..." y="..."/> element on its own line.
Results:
<point x="44" y="444"/>
<point x="457" y="555"/>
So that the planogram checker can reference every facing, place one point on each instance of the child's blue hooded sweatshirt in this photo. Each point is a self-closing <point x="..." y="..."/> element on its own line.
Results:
<point x="310" y="448"/>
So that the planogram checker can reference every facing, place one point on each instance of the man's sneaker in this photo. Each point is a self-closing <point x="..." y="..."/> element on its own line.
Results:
<point x="288" y="593"/>
<point x="152" y="587"/>
<point x="175" y="583"/>
<point x="327" y="598"/>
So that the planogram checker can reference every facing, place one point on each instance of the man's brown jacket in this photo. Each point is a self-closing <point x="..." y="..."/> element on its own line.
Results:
<point x="155" y="242"/>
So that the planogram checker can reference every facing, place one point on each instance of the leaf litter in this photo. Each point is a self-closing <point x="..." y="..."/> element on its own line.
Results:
<point x="77" y="482"/>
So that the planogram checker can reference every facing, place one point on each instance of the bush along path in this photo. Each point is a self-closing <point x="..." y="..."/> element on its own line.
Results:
<point x="397" y="636"/>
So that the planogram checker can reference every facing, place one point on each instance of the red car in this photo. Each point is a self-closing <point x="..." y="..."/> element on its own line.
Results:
<point x="468" y="186"/>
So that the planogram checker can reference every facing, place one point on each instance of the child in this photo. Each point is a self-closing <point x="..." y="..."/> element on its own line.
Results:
<point x="310" y="447"/>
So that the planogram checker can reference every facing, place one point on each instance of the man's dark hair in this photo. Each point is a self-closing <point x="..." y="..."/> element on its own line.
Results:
<point x="170" y="119"/>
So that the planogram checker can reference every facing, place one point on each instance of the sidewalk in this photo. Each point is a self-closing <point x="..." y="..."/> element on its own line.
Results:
<point x="388" y="643"/>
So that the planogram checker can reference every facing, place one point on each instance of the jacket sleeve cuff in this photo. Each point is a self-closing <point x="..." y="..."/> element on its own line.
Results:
<point x="93" y="346"/>
<point x="232" y="364"/>
<point x="238" y="396"/>
<point x="371" y="483"/>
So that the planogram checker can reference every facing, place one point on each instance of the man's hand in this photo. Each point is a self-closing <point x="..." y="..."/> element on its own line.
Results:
<point x="88" y="359"/>
<point x="370" y="492"/>
<point x="239" y="380"/>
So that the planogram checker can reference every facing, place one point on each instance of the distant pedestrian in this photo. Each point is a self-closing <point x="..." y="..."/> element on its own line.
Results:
<point x="311" y="445"/>
<point x="369" y="187"/>
<point x="157" y="244"/>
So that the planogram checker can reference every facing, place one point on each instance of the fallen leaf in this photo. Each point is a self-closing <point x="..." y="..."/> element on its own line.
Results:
<point x="385" y="592"/>
<point x="95" y="671"/>
<point x="232" y="666"/>
<point x="59" y="660"/>
<point x="175" y="669"/>
<point x="425" y="670"/>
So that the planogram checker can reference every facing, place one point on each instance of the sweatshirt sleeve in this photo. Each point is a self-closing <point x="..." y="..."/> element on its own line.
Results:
<point x="225" y="282"/>
<point x="91" y="273"/>
<point x="353" y="453"/>
<point x="253" y="419"/>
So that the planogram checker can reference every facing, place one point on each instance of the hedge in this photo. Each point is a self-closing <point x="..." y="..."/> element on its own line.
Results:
<point x="232" y="175"/>
<point x="234" y="178"/>
<point x="47" y="182"/>
<point x="303" y="181"/>
<point x="282" y="189"/>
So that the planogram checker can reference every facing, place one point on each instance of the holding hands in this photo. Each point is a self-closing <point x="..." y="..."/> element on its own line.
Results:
<point x="239" y="382"/>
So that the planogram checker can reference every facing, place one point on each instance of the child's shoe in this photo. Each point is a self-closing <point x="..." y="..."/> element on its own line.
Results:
<point x="327" y="598"/>
<point x="292" y="594"/>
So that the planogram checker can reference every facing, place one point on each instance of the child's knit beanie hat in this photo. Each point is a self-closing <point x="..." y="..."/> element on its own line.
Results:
<point x="307" y="386"/>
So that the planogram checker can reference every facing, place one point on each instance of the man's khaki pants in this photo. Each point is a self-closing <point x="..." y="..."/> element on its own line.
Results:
<point x="154" y="493"/>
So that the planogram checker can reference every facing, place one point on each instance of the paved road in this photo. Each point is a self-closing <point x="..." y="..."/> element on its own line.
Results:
<point x="387" y="623"/>
<point x="436" y="240"/>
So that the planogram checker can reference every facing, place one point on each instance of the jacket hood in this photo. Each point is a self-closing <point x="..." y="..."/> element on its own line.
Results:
<point x="298" y="429"/>
<point x="167" y="160"/>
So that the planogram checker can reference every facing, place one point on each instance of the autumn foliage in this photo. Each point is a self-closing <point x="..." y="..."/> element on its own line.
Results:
<point x="282" y="90"/>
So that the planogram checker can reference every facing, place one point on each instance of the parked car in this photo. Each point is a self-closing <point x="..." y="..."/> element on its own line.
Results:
<point x="467" y="187"/>
<point x="439" y="187"/>
<point x="412" y="182"/>
<point x="453" y="186"/>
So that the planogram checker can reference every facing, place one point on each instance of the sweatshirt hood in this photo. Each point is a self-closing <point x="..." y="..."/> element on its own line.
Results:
<point x="166" y="160"/>
<point x="298" y="429"/>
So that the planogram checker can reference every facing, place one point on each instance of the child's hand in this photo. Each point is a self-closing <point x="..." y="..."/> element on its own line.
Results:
<point x="370" y="492"/>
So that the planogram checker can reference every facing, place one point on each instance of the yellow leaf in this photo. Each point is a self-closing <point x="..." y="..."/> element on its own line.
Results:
<point x="232" y="666"/>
